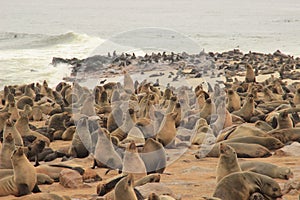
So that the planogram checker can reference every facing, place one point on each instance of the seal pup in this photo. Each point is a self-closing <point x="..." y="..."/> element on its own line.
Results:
<point x="24" y="180"/>
<point x="267" y="169"/>
<point x="228" y="162"/>
<point x="6" y="150"/>
<point x="154" y="156"/>
<point x="240" y="186"/>
<point x="167" y="131"/>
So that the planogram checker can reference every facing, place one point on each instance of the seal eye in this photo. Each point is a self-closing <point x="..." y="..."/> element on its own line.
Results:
<point x="275" y="189"/>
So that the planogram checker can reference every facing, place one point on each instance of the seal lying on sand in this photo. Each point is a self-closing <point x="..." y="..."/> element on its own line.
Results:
<point x="267" y="169"/>
<point x="240" y="186"/>
<point x="243" y="150"/>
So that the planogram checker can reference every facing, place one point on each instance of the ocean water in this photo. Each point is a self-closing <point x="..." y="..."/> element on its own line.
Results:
<point x="33" y="31"/>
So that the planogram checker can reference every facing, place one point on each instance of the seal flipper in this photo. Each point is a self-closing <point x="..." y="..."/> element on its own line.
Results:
<point x="36" y="189"/>
<point x="138" y="194"/>
<point x="23" y="189"/>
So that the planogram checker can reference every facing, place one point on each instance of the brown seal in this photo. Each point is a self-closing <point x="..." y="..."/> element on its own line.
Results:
<point x="208" y="109"/>
<point x="105" y="154"/>
<point x="154" y="156"/>
<point x="250" y="75"/>
<point x="133" y="163"/>
<point x="3" y="117"/>
<point x="167" y="131"/>
<point x="286" y="135"/>
<point x="81" y="143"/>
<point x="9" y="127"/>
<point x="22" y="126"/>
<point x="233" y="101"/>
<point x="247" y="110"/>
<point x="24" y="179"/>
<point x="6" y="150"/>
<point x="227" y="162"/>
<point x="267" y="169"/>
<point x="124" y="189"/>
<point x="270" y="143"/>
<point x="241" y="185"/>
<point x="122" y="131"/>
<point x="240" y="131"/>
<point x="24" y="101"/>
<point x="243" y="150"/>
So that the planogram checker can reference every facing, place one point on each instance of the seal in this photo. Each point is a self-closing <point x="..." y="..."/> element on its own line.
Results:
<point x="270" y="143"/>
<point x="81" y="145"/>
<point x="233" y="101"/>
<point x="247" y="110"/>
<point x="208" y="109"/>
<point x="124" y="189"/>
<point x="122" y="131"/>
<point x="154" y="156"/>
<point x="240" y="131"/>
<point x="57" y="122"/>
<point x="284" y="121"/>
<point x="243" y="150"/>
<point x="6" y="150"/>
<point x="22" y="126"/>
<point x="105" y="154"/>
<point x="68" y="133"/>
<point x="227" y="162"/>
<point x="240" y="186"/>
<point x="24" y="100"/>
<point x="14" y="112"/>
<point x="167" y="131"/>
<point x="128" y="83"/>
<point x="250" y="75"/>
<point x="36" y="113"/>
<point x="36" y="147"/>
<point x="267" y="169"/>
<point x="286" y="135"/>
<point x="133" y="163"/>
<point x="3" y="117"/>
<point x="9" y="127"/>
<point x="44" y="196"/>
<point x="24" y="179"/>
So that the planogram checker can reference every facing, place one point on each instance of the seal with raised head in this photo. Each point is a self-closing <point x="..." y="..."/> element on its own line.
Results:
<point x="6" y="150"/>
<point x="228" y="162"/>
<point x="167" y="131"/>
<point x="154" y="156"/>
<point x="24" y="180"/>
<point x="124" y="189"/>
<point x="133" y="163"/>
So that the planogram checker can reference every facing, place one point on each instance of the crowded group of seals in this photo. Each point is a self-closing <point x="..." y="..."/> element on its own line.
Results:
<point x="134" y="127"/>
